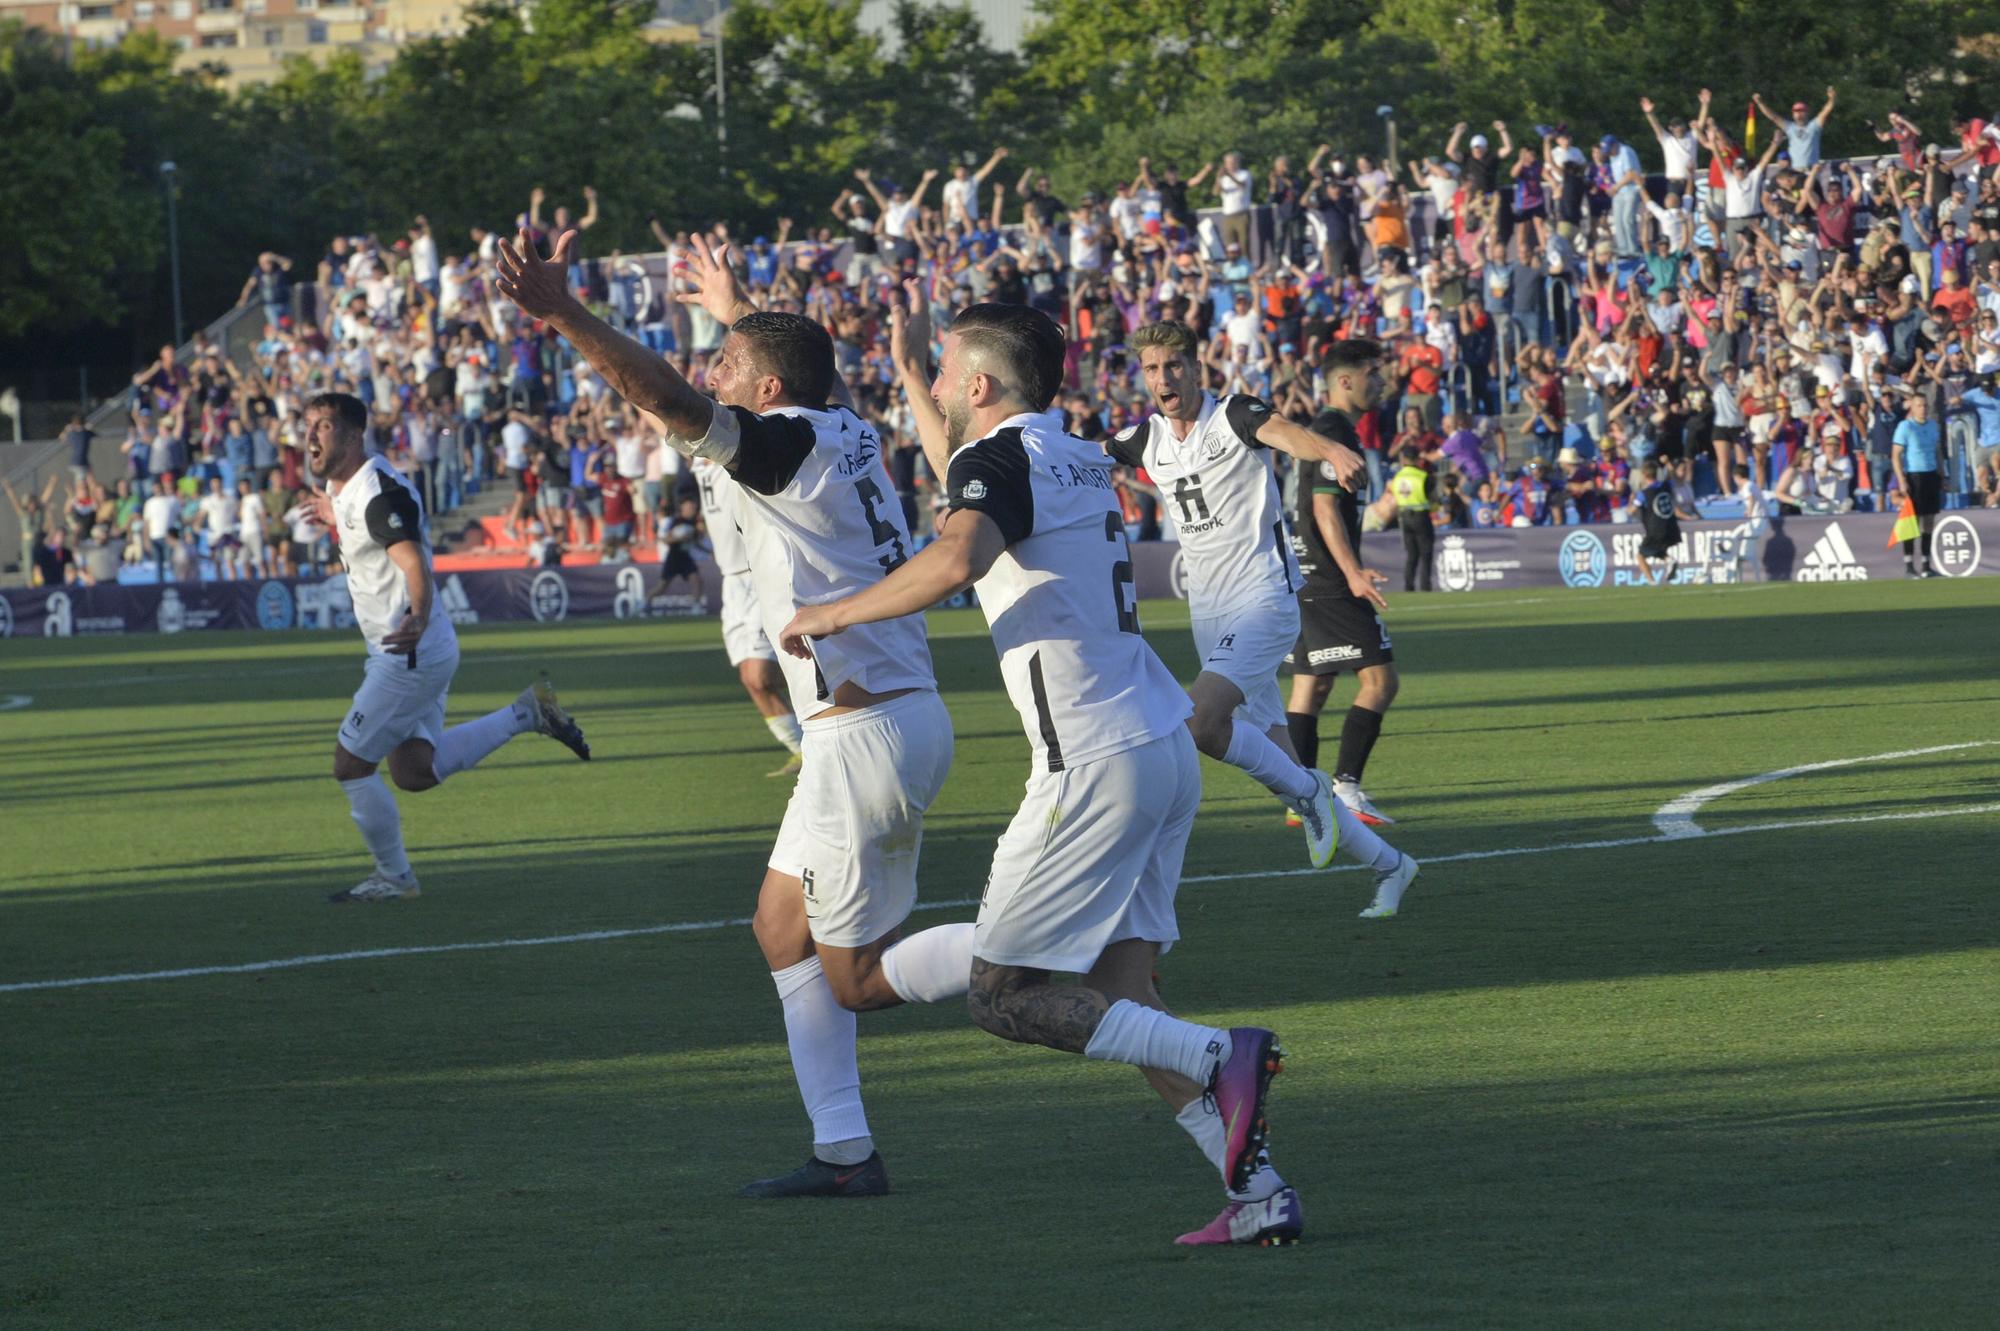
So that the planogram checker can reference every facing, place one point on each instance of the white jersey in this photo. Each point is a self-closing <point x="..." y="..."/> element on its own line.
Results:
<point x="1059" y="599"/>
<point x="1223" y="500"/>
<point x="374" y="509"/>
<point x="820" y="522"/>
<point x="718" y="509"/>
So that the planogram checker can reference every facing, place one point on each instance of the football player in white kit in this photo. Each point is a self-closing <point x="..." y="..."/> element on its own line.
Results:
<point x="743" y="636"/>
<point x="1206" y="456"/>
<point x="1083" y="880"/>
<point x="398" y="712"/>
<point x="817" y="525"/>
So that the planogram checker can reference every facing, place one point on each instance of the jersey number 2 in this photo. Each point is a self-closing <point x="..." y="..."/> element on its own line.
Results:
<point x="880" y="532"/>
<point x="1122" y="596"/>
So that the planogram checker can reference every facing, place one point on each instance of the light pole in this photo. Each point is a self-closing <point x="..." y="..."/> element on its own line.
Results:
<point x="173" y="245"/>
<point x="1388" y="114"/>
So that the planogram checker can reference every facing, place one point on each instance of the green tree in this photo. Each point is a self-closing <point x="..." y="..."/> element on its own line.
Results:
<point x="82" y="218"/>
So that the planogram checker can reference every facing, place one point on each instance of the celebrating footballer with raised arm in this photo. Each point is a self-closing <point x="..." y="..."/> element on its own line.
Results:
<point x="1207" y="456"/>
<point x="1084" y="879"/>
<point x="817" y="525"/>
<point x="398" y="713"/>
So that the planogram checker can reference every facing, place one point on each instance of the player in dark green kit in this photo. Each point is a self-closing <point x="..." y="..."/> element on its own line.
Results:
<point x="1337" y="606"/>
<point x="1340" y="629"/>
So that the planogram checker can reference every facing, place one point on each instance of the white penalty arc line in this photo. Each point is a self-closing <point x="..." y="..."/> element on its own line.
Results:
<point x="703" y="926"/>
<point x="1675" y="820"/>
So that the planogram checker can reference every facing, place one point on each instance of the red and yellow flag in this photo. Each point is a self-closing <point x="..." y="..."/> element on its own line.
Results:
<point x="1906" y="527"/>
<point x="1750" y="131"/>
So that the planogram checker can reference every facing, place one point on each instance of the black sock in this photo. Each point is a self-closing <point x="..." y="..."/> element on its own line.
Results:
<point x="1928" y="565"/>
<point x="1357" y="739"/>
<point x="1909" y="554"/>
<point x="1305" y="736"/>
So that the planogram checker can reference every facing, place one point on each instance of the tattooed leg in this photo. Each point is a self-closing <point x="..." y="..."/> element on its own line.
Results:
<point x="1018" y="1003"/>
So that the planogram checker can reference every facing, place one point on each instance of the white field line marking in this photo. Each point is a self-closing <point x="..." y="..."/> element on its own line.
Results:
<point x="1613" y="844"/>
<point x="14" y="702"/>
<point x="700" y="926"/>
<point x="1675" y="820"/>
<point x="371" y="954"/>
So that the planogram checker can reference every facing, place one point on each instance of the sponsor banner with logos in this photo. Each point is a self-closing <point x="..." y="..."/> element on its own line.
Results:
<point x="1852" y="548"/>
<point x="1844" y="549"/>
<point x="546" y="595"/>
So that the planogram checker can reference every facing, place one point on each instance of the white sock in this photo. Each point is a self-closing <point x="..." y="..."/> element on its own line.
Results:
<point x="467" y="745"/>
<point x="1149" y="1038"/>
<point x="381" y="823"/>
<point x="932" y="966"/>
<point x="1359" y="840"/>
<point x="784" y="728"/>
<point x="1252" y="750"/>
<point x="821" y="1034"/>
<point x="1204" y="1124"/>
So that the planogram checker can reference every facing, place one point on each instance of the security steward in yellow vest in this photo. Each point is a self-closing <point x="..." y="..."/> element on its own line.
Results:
<point x="1411" y="486"/>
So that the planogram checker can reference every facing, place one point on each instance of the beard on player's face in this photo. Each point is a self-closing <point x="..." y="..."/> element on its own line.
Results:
<point x="957" y="415"/>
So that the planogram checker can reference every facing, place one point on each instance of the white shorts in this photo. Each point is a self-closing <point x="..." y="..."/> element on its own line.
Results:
<point x="1093" y="858"/>
<point x="742" y="622"/>
<point x="1246" y="648"/>
<point x="397" y="702"/>
<point x="855" y="826"/>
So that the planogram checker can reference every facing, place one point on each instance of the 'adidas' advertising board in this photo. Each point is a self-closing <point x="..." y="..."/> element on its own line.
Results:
<point x="1830" y="559"/>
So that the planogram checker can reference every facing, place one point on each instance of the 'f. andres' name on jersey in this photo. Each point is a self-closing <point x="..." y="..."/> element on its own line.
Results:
<point x="1088" y="478"/>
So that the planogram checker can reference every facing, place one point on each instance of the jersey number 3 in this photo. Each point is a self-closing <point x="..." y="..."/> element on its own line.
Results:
<point x="1122" y="595"/>
<point x="880" y="532"/>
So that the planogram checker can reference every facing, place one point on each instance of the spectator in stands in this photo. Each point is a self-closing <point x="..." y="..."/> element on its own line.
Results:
<point x="1234" y="187"/>
<point x="162" y="517"/>
<point x="52" y="562"/>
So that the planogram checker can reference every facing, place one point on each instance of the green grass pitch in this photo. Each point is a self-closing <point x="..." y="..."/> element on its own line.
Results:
<point x="1727" y="1080"/>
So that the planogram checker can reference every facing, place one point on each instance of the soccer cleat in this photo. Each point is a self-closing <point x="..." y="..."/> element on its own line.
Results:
<point x="790" y="767"/>
<point x="1315" y="811"/>
<point x="1389" y="889"/>
<point x="379" y="886"/>
<point x="817" y="1178"/>
<point x="1238" y="1087"/>
<point x="552" y="720"/>
<point x="1358" y="804"/>
<point x="1275" y="1222"/>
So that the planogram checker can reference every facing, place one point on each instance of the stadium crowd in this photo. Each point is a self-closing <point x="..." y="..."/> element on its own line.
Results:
<point x="1766" y="326"/>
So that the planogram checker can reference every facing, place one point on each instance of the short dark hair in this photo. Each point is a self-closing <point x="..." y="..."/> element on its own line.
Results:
<point x="795" y="349"/>
<point x="1352" y="353"/>
<point x="1026" y="339"/>
<point x="346" y="409"/>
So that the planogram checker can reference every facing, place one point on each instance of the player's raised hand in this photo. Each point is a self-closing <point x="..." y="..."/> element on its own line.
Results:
<point x="539" y="286"/>
<point x="910" y="328"/>
<point x="319" y="506"/>
<point x="812" y="621"/>
<point x="716" y="289"/>
<point x="1364" y="585"/>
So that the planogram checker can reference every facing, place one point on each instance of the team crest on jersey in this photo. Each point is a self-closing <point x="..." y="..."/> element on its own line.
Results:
<point x="974" y="489"/>
<point x="1326" y="470"/>
<point x="395" y="519"/>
